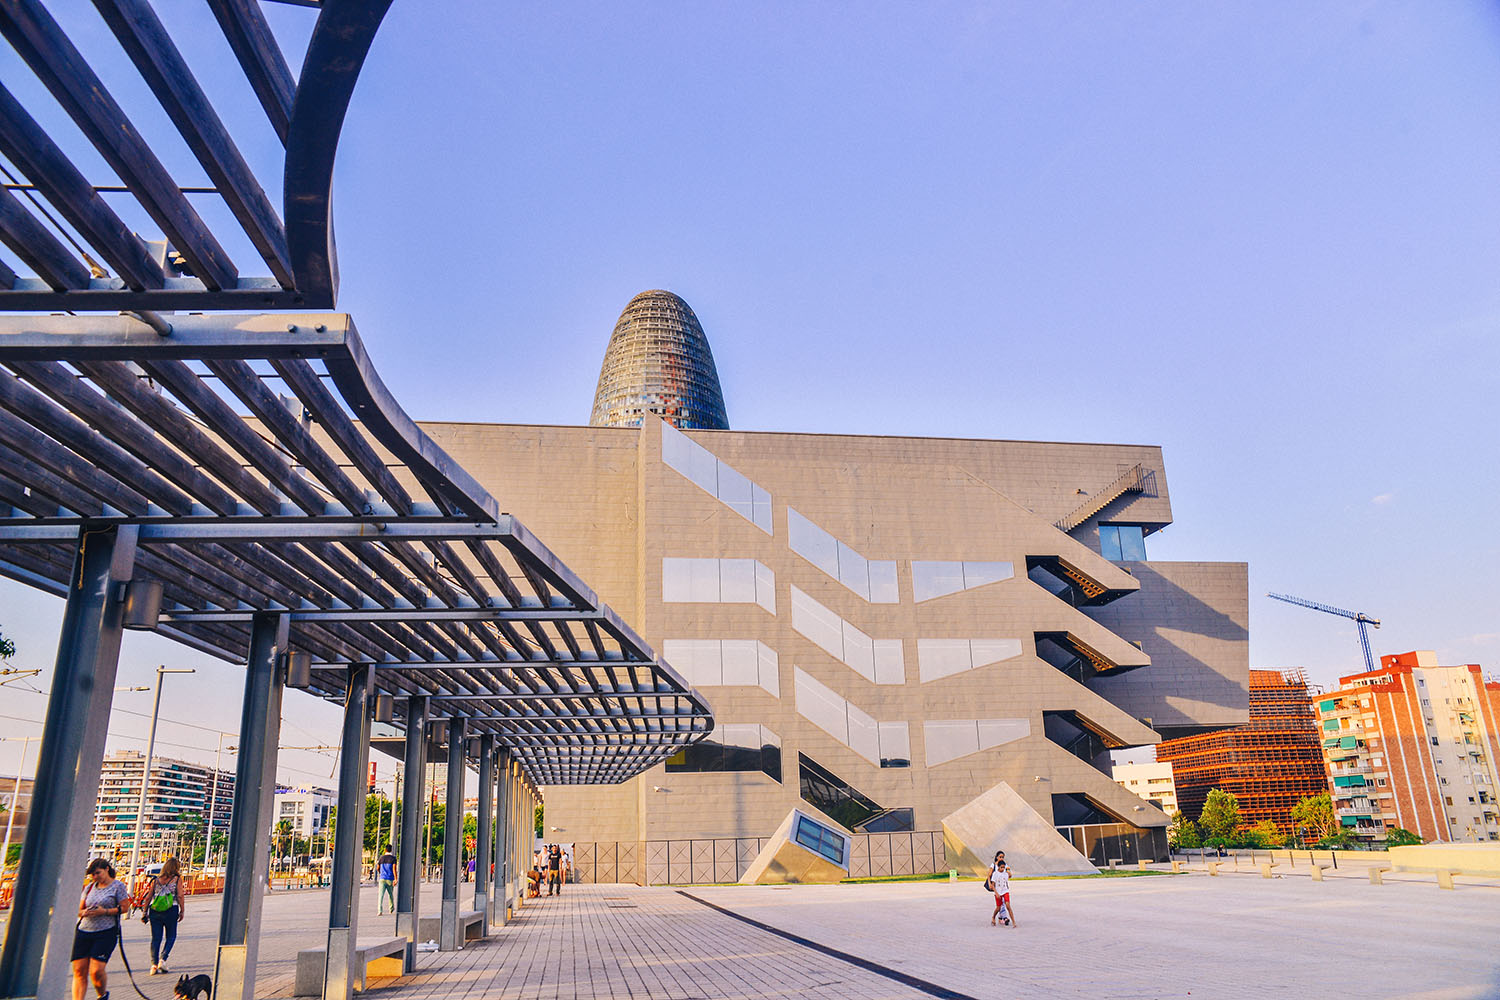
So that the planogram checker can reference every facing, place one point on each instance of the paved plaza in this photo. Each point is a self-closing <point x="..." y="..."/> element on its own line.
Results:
<point x="1147" y="937"/>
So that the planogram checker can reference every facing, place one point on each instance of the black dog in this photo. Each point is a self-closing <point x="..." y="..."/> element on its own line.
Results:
<point x="193" y="988"/>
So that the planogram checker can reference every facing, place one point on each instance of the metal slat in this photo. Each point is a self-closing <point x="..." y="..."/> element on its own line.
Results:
<point x="159" y="62"/>
<point x="39" y="41"/>
<point x="260" y="57"/>
<point x="27" y="145"/>
<point x="38" y="248"/>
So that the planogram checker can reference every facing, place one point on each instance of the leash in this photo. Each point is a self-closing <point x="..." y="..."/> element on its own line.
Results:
<point x="120" y="939"/>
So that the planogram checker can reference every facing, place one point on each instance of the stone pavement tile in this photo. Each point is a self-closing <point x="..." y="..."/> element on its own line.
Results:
<point x="1158" y="936"/>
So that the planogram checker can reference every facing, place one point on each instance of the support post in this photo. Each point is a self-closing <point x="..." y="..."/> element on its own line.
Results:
<point x="245" y="868"/>
<point x="451" y="933"/>
<point x="413" y="803"/>
<point x="38" y="939"/>
<point x="503" y="864"/>
<point x="483" y="840"/>
<point x="339" y="974"/>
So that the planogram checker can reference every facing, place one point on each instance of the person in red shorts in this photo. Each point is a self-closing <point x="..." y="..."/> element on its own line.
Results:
<point x="999" y="883"/>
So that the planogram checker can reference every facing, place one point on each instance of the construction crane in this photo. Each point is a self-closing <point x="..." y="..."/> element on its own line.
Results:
<point x="1359" y="618"/>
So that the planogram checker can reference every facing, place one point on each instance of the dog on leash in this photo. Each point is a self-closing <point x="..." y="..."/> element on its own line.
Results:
<point x="193" y="988"/>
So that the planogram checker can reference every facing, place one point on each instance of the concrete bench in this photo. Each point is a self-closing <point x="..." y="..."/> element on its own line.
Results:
<point x="1377" y="875"/>
<point x="1317" y="872"/>
<point x="371" y="958"/>
<point x="1177" y="868"/>
<point x="1114" y="863"/>
<point x="1143" y="865"/>
<point x="472" y="921"/>
<point x="1445" y="877"/>
<point x="1265" y="869"/>
<point x="1213" y="867"/>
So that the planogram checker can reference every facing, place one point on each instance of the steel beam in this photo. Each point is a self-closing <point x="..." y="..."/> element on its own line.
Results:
<point x="339" y="973"/>
<point x="245" y="868"/>
<point x="451" y="935"/>
<point x="484" y="853"/>
<point x="413" y="799"/>
<point x="44" y="910"/>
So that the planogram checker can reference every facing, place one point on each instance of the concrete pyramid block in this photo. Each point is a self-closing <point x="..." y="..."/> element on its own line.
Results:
<point x="804" y="848"/>
<point x="1000" y="820"/>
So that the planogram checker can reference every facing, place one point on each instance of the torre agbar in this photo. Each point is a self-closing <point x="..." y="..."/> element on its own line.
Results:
<point x="889" y="630"/>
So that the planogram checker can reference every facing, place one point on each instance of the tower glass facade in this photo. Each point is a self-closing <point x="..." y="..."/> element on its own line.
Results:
<point x="658" y="361"/>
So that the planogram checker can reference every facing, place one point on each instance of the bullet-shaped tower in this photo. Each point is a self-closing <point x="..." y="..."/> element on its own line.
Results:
<point x="658" y="361"/>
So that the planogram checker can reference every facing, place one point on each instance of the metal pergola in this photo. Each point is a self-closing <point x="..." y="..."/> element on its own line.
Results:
<point x="244" y="483"/>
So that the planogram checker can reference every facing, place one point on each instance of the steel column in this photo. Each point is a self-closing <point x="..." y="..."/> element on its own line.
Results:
<point x="245" y="868"/>
<point x="503" y="867"/>
<point x="485" y="834"/>
<point x="413" y="806"/>
<point x="38" y="940"/>
<point x="349" y="837"/>
<point x="451" y="935"/>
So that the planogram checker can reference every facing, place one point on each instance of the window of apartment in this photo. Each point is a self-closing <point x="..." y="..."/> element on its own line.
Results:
<point x="1122" y="542"/>
<point x="1434" y="740"/>
<point x="1380" y="782"/>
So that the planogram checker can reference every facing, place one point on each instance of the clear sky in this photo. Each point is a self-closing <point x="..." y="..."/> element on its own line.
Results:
<point x="1263" y="236"/>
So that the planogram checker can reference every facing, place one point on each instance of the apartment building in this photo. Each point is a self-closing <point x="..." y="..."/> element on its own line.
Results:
<point x="179" y="796"/>
<point x="1152" y="782"/>
<point x="1413" y="744"/>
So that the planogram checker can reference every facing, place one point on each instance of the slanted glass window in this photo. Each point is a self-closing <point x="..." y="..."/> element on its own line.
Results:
<point x="820" y="839"/>
<point x="1122" y="542"/>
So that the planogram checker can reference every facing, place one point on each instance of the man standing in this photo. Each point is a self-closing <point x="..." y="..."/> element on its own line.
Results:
<point x="554" y="870"/>
<point x="385" y="877"/>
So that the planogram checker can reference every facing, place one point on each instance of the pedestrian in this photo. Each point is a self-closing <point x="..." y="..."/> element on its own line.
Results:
<point x="164" y="910"/>
<point x="104" y="899"/>
<point x="554" y="870"/>
<point x="385" y="877"/>
<point x="999" y="884"/>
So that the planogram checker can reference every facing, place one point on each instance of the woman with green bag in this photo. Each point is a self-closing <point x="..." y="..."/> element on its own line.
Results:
<point x="163" y="910"/>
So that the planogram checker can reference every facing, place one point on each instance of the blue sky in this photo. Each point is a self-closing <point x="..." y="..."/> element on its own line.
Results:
<point x="1262" y="236"/>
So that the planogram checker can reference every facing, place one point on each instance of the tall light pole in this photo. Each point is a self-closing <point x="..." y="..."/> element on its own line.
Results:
<point x="213" y="801"/>
<point x="15" y="796"/>
<point x="140" y="809"/>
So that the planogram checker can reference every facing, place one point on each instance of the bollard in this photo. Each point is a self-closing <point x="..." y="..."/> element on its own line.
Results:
<point x="1376" y="878"/>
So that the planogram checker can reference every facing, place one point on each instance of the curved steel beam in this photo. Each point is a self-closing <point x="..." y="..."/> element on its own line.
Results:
<point x="340" y="42"/>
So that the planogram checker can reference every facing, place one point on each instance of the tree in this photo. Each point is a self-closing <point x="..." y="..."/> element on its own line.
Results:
<point x="537" y="821"/>
<point x="1400" y="836"/>
<point x="1183" y="833"/>
<point x="7" y="648"/>
<point x="1316" y="813"/>
<point x="380" y="814"/>
<point x="1221" y="814"/>
<point x="1264" y="834"/>
<point x="1340" y="838"/>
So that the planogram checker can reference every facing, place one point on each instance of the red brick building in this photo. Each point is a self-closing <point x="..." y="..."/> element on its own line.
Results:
<point x="1268" y="764"/>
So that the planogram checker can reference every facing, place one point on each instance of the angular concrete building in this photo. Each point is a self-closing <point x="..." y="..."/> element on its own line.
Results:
<point x="887" y="629"/>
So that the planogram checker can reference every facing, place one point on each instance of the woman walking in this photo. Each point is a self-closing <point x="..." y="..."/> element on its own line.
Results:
<point x="105" y="898"/>
<point x="999" y="884"/>
<point x="164" y="909"/>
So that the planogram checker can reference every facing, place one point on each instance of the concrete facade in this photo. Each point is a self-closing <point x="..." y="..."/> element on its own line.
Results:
<point x="1414" y="745"/>
<point x="904" y="613"/>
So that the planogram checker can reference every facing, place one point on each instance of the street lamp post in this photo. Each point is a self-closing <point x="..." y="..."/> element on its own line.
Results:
<point x="140" y="809"/>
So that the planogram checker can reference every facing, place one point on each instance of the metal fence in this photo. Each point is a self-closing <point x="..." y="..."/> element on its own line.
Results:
<point x="725" y="859"/>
